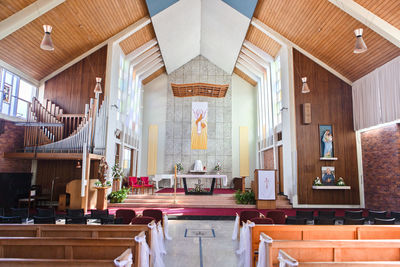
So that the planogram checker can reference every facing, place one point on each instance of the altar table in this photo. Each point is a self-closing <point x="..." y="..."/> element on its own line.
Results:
<point x="159" y="177"/>
<point x="202" y="176"/>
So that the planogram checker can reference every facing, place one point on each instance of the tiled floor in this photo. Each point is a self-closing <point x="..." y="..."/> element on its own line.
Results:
<point x="207" y="244"/>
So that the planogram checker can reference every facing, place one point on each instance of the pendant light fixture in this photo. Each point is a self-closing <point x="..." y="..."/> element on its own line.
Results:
<point x="305" y="89"/>
<point x="360" y="46"/>
<point x="97" y="88"/>
<point x="47" y="43"/>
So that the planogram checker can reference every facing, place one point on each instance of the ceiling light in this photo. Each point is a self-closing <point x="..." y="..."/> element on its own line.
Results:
<point x="47" y="43"/>
<point x="360" y="46"/>
<point x="305" y="89"/>
<point x="209" y="91"/>
<point x="97" y="88"/>
<point x="189" y="90"/>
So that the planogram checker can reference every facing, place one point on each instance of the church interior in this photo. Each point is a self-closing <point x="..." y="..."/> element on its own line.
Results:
<point x="200" y="133"/>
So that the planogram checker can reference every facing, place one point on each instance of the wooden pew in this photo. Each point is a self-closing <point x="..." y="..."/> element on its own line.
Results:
<point x="55" y="262"/>
<point x="286" y="260"/>
<point x="333" y="250"/>
<point x="378" y="232"/>
<point x="59" y="248"/>
<point x="74" y="230"/>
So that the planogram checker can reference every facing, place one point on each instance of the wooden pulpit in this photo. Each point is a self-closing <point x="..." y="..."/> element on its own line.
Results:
<point x="265" y="185"/>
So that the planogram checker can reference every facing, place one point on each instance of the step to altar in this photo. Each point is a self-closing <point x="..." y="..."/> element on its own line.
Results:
<point x="190" y="201"/>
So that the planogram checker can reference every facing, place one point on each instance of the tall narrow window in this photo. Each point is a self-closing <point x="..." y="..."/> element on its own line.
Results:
<point x="277" y="93"/>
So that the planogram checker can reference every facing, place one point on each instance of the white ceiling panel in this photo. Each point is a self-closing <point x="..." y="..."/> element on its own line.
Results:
<point x="223" y="30"/>
<point x="178" y="32"/>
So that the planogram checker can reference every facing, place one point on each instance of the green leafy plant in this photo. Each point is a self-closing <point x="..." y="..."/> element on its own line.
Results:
<point x="118" y="196"/>
<point x="117" y="172"/>
<point x="340" y="182"/>
<point x="246" y="197"/>
<point x="179" y="166"/>
<point x="317" y="182"/>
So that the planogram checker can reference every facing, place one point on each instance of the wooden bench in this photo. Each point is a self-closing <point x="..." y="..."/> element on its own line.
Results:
<point x="74" y="230"/>
<point x="55" y="262"/>
<point x="333" y="250"/>
<point x="287" y="261"/>
<point x="67" y="248"/>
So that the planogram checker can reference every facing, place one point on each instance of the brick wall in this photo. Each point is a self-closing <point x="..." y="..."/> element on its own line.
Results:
<point x="381" y="166"/>
<point x="11" y="139"/>
<point x="269" y="159"/>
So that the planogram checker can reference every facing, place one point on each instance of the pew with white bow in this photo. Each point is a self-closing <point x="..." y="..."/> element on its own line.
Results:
<point x="244" y="251"/>
<point x="155" y="251"/>
<point x="165" y="223"/>
<point x="285" y="260"/>
<point x="144" y="250"/>
<point x="236" y="227"/>
<point x="263" y="257"/>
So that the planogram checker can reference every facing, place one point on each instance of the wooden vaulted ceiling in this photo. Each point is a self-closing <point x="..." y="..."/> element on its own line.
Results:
<point x="138" y="39"/>
<point x="388" y="10"/>
<point x="262" y="41"/>
<point x="326" y="32"/>
<point x="78" y="26"/>
<point x="8" y="8"/>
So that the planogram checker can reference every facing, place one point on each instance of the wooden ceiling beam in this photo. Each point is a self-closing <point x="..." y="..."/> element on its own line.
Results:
<point x="26" y="15"/>
<point x="256" y="58"/>
<point x="285" y="42"/>
<point x="259" y="52"/>
<point x="137" y="52"/>
<point x="145" y="55"/>
<point x="152" y="70"/>
<point x="250" y="67"/>
<point x="248" y="72"/>
<point x="254" y="63"/>
<point x="372" y="21"/>
<point x="149" y="59"/>
<point x="149" y="66"/>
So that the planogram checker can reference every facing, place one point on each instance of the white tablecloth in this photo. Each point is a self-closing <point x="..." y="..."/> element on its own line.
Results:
<point x="207" y="176"/>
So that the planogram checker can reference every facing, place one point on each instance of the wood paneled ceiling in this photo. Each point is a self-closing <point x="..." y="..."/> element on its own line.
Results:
<point x="199" y="89"/>
<point x="388" y="10"/>
<point x="262" y="41"/>
<point x="244" y="76"/>
<point x="138" y="39"/>
<point x="78" y="26"/>
<point x="9" y="7"/>
<point x="326" y="32"/>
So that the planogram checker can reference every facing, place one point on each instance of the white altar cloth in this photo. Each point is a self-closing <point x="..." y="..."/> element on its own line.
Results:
<point x="159" y="177"/>
<point x="207" y="176"/>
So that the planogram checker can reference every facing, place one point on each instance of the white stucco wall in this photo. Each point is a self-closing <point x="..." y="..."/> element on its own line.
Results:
<point x="244" y="113"/>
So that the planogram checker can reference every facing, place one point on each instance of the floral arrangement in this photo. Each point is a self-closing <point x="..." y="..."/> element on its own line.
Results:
<point x="117" y="172"/>
<point x="317" y="182"/>
<point x="218" y="167"/>
<point x="340" y="182"/>
<point x="179" y="166"/>
<point x="98" y="183"/>
<point x="118" y="196"/>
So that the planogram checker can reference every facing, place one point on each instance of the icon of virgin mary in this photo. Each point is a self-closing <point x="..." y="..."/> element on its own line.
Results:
<point x="327" y="141"/>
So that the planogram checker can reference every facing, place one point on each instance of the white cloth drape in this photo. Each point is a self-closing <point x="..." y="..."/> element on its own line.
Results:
<point x="262" y="255"/>
<point x="236" y="227"/>
<point x="165" y="223"/>
<point x="286" y="261"/>
<point x="155" y="250"/>
<point x="160" y="233"/>
<point x="376" y="96"/>
<point x="124" y="260"/>
<point x="144" y="251"/>
<point x="244" y="250"/>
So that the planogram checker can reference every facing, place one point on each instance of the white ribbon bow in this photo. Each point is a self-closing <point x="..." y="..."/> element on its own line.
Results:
<point x="236" y="227"/>
<point x="262" y="257"/>
<point x="160" y="235"/>
<point x="244" y="250"/>
<point x="155" y="252"/>
<point x="165" y="223"/>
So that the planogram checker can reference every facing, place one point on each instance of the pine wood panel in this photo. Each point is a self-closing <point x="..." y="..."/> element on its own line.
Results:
<point x="154" y="75"/>
<point x="10" y="7"/>
<point x="388" y="10"/>
<point x="244" y="76"/>
<point x="72" y="88"/>
<point x="77" y="27"/>
<point x="138" y="39"/>
<point x="262" y="41"/>
<point x="199" y="89"/>
<point x="326" y="32"/>
<point x="331" y="102"/>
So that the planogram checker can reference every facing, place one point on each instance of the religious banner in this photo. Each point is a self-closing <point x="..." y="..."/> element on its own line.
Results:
<point x="199" y="125"/>
<point x="266" y="184"/>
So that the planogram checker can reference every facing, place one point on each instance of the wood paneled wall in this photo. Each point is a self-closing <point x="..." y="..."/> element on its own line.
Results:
<point x="65" y="170"/>
<point x="331" y="103"/>
<point x="72" y="88"/>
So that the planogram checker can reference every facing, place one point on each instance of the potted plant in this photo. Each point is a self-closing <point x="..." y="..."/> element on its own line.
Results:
<point x="99" y="184"/>
<point x="117" y="172"/>
<point x="317" y="182"/>
<point x="340" y="182"/>
<point x="118" y="196"/>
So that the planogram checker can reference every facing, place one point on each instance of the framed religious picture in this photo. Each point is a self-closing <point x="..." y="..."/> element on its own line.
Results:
<point x="6" y="93"/>
<point x="328" y="175"/>
<point x="326" y="141"/>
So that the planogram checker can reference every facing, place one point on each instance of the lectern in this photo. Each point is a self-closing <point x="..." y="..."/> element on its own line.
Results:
<point x="265" y="188"/>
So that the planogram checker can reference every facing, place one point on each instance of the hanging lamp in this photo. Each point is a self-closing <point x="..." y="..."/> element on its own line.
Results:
<point x="47" y="43"/>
